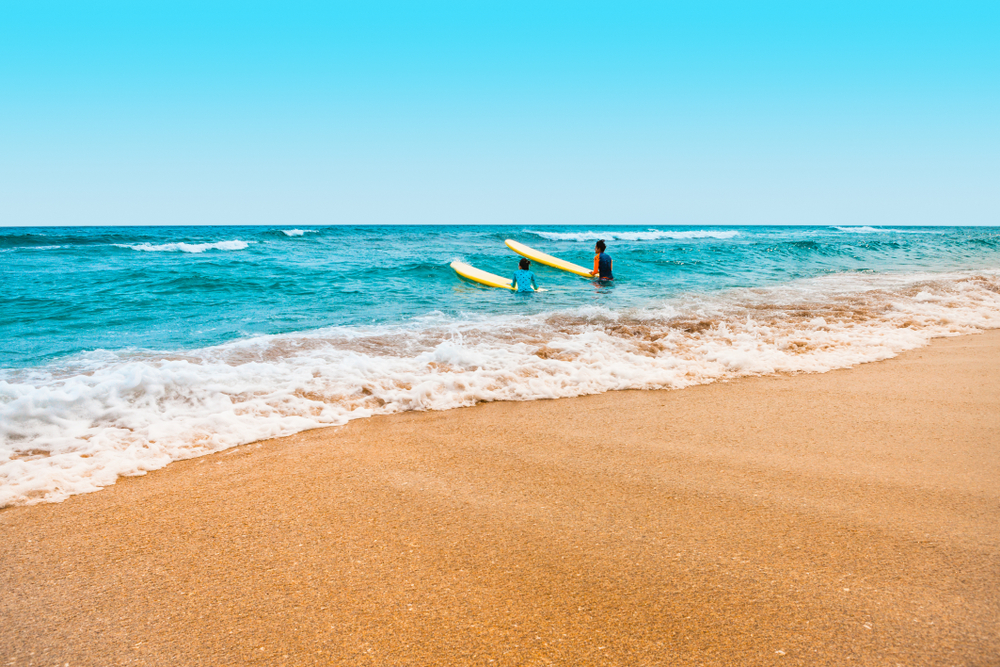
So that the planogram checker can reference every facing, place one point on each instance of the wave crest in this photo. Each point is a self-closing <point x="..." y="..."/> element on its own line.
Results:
<point x="883" y="230"/>
<point x="649" y="235"/>
<point x="187" y="247"/>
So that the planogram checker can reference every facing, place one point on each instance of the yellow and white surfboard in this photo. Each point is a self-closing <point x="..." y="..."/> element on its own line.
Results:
<point x="547" y="260"/>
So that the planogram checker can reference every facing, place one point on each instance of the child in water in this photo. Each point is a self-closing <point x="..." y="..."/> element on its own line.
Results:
<point x="524" y="280"/>
<point x="602" y="262"/>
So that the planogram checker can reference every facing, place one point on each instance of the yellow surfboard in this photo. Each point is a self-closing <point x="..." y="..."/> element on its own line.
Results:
<point x="547" y="260"/>
<point x="479" y="276"/>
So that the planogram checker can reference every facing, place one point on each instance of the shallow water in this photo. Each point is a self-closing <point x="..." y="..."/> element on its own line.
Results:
<point x="122" y="349"/>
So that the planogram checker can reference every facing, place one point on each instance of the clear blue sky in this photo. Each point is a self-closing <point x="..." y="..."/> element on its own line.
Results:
<point x="700" y="112"/>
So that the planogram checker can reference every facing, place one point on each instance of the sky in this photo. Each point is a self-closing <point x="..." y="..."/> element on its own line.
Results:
<point x="481" y="112"/>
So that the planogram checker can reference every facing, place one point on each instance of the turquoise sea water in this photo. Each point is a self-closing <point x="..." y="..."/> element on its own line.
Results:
<point x="122" y="349"/>
<point x="71" y="290"/>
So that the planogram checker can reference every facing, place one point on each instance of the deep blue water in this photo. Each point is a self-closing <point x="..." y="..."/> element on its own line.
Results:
<point x="75" y="289"/>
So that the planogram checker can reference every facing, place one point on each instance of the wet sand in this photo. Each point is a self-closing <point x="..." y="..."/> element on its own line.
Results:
<point x="848" y="518"/>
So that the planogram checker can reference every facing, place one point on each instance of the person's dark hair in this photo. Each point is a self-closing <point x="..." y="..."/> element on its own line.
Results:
<point x="524" y="264"/>
<point x="601" y="246"/>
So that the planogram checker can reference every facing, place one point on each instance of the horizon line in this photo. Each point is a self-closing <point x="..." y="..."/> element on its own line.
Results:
<point x="491" y="224"/>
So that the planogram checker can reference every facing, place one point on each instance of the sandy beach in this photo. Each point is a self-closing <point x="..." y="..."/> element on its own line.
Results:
<point x="845" y="518"/>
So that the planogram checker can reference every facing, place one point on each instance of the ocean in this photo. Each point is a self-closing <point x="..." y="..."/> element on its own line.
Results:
<point x="123" y="349"/>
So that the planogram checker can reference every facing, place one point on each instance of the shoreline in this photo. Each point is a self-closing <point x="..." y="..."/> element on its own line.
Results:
<point x="85" y="421"/>
<point x="846" y="517"/>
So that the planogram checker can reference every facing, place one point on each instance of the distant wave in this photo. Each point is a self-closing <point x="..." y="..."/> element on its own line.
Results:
<point x="297" y="232"/>
<point x="883" y="230"/>
<point x="35" y="241"/>
<point x="650" y="235"/>
<point x="187" y="247"/>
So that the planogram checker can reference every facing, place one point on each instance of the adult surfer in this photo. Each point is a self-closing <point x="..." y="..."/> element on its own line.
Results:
<point x="602" y="262"/>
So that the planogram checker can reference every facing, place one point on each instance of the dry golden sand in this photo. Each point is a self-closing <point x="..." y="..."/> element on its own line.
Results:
<point x="850" y="518"/>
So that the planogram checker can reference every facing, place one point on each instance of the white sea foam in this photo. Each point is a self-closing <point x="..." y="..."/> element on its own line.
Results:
<point x="33" y="247"/>
<point x="884" y="230"/>
<point x="187" y="247"/>
<point x="76" y="427"/>
<point x="297" y="232"/>
<point x="650" y="235"/>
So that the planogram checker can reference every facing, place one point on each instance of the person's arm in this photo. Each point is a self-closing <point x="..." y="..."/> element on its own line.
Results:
<point x="513" y="281"/>
<point x="597" y="265"/>
<point x="533" y="285"/>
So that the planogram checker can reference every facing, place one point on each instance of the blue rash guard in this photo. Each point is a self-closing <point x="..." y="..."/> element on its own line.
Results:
<point x="604" y="267"/>
<point x="524" y="281"/>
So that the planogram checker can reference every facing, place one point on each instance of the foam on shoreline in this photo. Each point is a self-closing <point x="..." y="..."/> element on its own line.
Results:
<point x="77" y="425"/>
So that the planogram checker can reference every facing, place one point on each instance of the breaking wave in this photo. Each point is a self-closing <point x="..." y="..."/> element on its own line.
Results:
<point x="650" y="235"/>
<point x="187" y="247"/>
<point x="884" y="230"/>
<point x="78" y="424"/>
